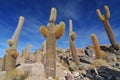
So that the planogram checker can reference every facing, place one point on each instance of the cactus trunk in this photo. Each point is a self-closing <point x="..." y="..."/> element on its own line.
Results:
<point x="51" y="33"/>
<point x="110" y="34"/>
<point x="74" y="52"/>
<point x="72" y="36"/>
<point x="3" y="64"/>
<point x="9" y="61"/>
<point x="96" y="46"/>
<point x="51" y="51"/>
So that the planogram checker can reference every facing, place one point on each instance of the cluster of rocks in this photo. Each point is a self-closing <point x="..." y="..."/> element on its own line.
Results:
<point x="90" y="69"/>
<point x="106" y="69"/>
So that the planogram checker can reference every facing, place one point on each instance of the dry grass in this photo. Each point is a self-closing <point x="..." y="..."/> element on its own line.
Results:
<point x="99" y="62"/>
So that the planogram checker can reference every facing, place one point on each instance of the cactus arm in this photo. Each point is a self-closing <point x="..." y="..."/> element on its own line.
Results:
<point x="100" y="16"/>
<point x="70" y="28"/>
<point x="59" y="30"/>
<point x="53" y="15"/>
<point x="72" y="36"/>
<point x="14" y="54"/>
<point x="96" y="46"/>
<point x="107" y="15"/>
<point x="16" y="34"/>
<point x="44" y="31"/>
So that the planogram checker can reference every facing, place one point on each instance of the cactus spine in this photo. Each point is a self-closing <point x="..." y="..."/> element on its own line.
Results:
<point x="51" y="33"/>
<point x="9" y="61"/>
<point x="104" y="19"/>
<point x="96" y="46"/>
<point x="72" y="36"/>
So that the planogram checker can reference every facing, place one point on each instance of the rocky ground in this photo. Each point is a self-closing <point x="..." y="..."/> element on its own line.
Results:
<point x="90" y="68"/>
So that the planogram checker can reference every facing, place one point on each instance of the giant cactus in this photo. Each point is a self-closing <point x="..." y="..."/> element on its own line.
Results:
<point x="51" y="33"/>
<point x="104" y="19"/>
<point x="72" y="36"/>
<point x="96" y="46"/>
<point x="9" y="61"/>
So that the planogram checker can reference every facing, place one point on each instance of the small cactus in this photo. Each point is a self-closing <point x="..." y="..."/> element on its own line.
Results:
<point x="96" y="46"/>
<point x="24" y="52"/>
<point x="51" y="33"/>
<point x="9" y="61"/>
<point x="104" y="19"/>
<point x="72" y="36"/>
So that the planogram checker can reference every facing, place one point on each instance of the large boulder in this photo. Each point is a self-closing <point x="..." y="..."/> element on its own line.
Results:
<point x="34" y="71"/>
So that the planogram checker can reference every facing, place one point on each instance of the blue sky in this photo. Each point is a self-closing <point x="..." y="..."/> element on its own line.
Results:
<point x="36" y="13"/>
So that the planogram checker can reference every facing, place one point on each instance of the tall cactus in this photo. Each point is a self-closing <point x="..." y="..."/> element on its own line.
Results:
<point x="9" y="61"/>
<point x="96" y="46"/>
<point x="72" y="36"/>
<point x="104" y="19"/>
<point x="51" y="33"/>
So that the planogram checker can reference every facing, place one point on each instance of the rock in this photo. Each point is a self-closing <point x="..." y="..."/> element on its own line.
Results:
<point x="77" y="75"/>
<point x="99" y="78"/>
<point x="83" y="72"/>
<point x="111" y="77"/>
<point x="70" y="76"/>
<point x="88" y="60"/>
<point x="2" y="73"/>
<point x="105" y="72"/>
<point x="117" y="78"/>
<point x="34" y="71"/>
<point x="20" y="60"/>
<point x="105" y="47"/>
<point x="117" y="52"/>
<point x="90" y="52"/>
<point x="39" y="57"/>
<point x="114" y="59"/>
<point x="116" y="65"/>
<point x="32" y="57"/>
<point x="50" y="78"/>
<point x="90" y="73"/>
<point x="81" y="52"/>
<point x="85" y="78"/>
